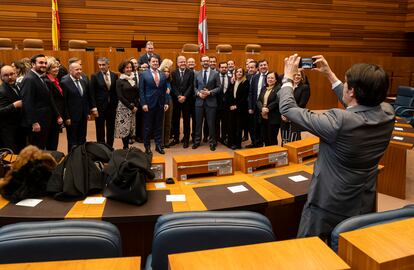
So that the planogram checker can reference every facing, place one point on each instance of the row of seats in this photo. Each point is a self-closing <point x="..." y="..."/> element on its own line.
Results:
<point x="37" y="44"/>
<point x="80" y="45"/>
<point x="173" y="233"/>
<point x="222" y="48"/>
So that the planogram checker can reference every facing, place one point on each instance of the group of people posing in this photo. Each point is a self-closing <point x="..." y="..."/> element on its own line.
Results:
<point x="218" y="103"/>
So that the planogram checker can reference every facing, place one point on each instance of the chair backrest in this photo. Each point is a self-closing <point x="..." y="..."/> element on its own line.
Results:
<point x="190" y="48"/>
<point x="224" y="48"/>
<point x="6" y="44"/>
<point x="58" y="240"/>
<point x="32" y="44"/>
<point x="77" y="45"/>
<point x="368" y="220"/>
<point x="253" y="48"/>
<point x="191" y="231"/>
<point x="405" y="96"/>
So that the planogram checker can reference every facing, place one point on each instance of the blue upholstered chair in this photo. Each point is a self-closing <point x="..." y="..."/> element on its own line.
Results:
<point x="192" y="231"/>
<point x="404" y="103"/>
<point x="368" y="220"/>
<point x="58" y="240"/>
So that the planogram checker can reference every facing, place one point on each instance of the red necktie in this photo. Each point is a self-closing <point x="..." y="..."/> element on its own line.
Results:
<point x="156" y="78"/>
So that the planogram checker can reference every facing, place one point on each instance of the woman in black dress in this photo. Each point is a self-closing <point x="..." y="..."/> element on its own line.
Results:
<point x="128" y="96"/>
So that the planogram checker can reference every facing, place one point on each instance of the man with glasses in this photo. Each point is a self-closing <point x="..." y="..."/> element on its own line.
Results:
<point x="11" y="134"/>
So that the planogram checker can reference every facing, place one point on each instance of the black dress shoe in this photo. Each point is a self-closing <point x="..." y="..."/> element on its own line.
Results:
<point x="159" y="150"/>
<point x="185" y="145"/>
<point x="250" y="146"/>
<point x="174" y="142"/>
<point x="212" y="147"/>
<point x="148" y="151"/>
<point x="195" y="146"/>
<point x="233" y="147"/>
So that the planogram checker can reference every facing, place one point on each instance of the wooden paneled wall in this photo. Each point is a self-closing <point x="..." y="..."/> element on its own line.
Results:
<point x="400" y="69"/>
<point x="321" y="25"/>
<point x="410" y="17"/>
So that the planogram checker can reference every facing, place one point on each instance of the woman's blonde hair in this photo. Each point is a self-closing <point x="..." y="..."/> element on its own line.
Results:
<point x="166" y="63"/>
<point x="51" y="62"/>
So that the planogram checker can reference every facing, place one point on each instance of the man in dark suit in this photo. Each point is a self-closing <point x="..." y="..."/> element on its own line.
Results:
<point x="37" y="103"/>
<point x="182" y="93"/>
<point x="103" y="93"/>
<point x="149" y="52"/>
<point x="257" y="84"/>
<point x="223" y="106"/>
<point x="206" y="87"/>
<point x="352" y="142"/>
<point x="78" y="103"/>
<point x="154" y="102"/>
<point x="138" y="115"/>
<point x="11" y="133"/>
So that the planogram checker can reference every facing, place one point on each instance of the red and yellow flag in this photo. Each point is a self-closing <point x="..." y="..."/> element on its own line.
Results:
<point x="202" y="28"/>
<point x="55" y="25"/>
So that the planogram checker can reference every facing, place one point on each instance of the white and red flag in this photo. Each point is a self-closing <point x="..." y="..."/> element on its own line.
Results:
<point x="202" y="28"/>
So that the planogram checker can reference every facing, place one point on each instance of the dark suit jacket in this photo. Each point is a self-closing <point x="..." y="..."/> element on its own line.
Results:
<point x="302" y="95"/>
<point x="103" y="97"/>
<point x="37" y="101"/>
<point x="352" y="142"/>
<point x="9" y="115"/>
<point x="241" y="97"/>
<point x="77" y="106"/>
<point x="213" y="84"/>
<point x="149" y="93"/>
<point x="223" y="99"/>
<point x="127" y="94"/>
<point x="58" y="100"/>
<point x="272" y="105"/>
<point x="144" y="59"/>
<point x="184" y="88"/>
<point x="253" y="91"/>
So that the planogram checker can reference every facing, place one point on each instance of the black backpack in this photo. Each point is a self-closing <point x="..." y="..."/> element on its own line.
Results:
<point x="81" y="172"/>
<point x="126" y="176"/>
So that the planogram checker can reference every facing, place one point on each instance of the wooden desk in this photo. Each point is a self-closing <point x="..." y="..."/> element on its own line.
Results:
<point x="299" y="150"/>
<point x="248" y="160"/>
<point x="382" y="247"/>
<point x="392" y="180"/>
<point x="304" y="253"/>
<point x="122" y="263"/>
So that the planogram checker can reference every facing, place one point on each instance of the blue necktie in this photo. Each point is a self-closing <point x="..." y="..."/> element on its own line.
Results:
<point x="205" y="77"/>
<point x="79" y="87"/>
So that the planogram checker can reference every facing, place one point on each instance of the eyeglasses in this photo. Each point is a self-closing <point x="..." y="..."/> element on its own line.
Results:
<point x="9" y="74"/>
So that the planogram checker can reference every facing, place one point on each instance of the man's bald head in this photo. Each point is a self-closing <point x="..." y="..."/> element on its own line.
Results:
<point x="75" y="69"/>
<point x="8" y="74"/>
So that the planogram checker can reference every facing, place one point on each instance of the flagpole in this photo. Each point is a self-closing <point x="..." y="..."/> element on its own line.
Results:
<point x="202" y="28"/>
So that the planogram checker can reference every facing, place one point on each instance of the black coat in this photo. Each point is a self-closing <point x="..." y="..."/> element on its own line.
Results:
<point x="77" y="106"/>
<point x="103" y="97"/>
<point x="9" y="115"/>
<point x="274" y="116"/>
<point x="241" y="97"/>
<point x="58" y="100"/>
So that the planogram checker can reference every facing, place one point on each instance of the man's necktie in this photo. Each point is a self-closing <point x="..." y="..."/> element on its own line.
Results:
<point x="222" y="83"/>
<point x="205" y="77"/>
<point x="78" y="85"/>
<point x="107" y="80"/>
<point x="263" y="82"/>
<point x="156" y="78"/>
<point x="181" y="75"/>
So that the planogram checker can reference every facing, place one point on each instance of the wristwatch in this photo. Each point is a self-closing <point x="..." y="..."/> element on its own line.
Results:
<point x="286" y="80"/>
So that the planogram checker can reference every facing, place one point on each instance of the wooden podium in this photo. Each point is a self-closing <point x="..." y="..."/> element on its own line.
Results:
<point x="218" y="164"/>
<point x="158" y="167"/>
<point x="249" y="160"/>
<point x="300" y="150"/>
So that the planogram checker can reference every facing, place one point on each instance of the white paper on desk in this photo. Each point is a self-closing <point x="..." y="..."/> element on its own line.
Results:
<point x="298" y="178"/>
<point x="160" y="185"/>
<point x="398" y="128"/>
<point x="398" y="138"/>
<point x="94" y="200"/>
<point x="236" y="189"/>
<point x="176" y="198"/>
<point x="29" y="202"/>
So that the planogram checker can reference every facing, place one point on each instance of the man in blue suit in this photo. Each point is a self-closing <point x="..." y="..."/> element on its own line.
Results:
<point x="206" y="87"/>
<point x="154" y="101"/>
